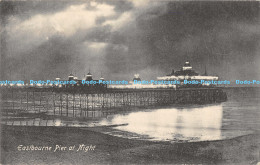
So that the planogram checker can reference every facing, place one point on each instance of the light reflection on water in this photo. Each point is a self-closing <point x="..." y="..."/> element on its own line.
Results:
<point x="202" y="123"/>
<point x="238" y="116"/>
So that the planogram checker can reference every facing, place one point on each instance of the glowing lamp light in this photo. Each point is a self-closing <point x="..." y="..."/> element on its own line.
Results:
<point x="19" y="85"/>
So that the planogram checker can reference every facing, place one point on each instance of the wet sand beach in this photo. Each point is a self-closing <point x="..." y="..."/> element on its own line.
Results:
<point x="115" y="150"/>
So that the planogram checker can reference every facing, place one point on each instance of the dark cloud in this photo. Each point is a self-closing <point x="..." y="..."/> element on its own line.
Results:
<point x="206" y="34"/>
<point x="26" y="9"/>
<point x="121" y="38"/>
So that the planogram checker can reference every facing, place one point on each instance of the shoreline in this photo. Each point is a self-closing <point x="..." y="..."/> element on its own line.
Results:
<point x="116" y="150"/>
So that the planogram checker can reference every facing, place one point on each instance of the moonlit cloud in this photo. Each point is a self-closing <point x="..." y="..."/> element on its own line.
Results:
<point x="65" y="23"/>
<point x="142" y="3"/>
<point x="96" y="45"/>
<point x="141" y="7"/>
<point x="124" y="20"/>
<point x="122" y="38"/>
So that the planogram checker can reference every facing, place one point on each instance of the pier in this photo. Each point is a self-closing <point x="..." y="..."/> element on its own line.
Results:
<point x="83" y="104"/>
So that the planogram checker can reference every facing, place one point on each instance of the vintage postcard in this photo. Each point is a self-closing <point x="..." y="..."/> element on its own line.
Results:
<point x="129" y="82"/>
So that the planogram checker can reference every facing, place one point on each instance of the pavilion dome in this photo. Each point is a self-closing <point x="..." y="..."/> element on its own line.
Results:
<point x="89" y="74"/>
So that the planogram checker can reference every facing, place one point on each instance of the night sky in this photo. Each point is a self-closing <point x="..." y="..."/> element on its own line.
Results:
<point x="47" y="39"/>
